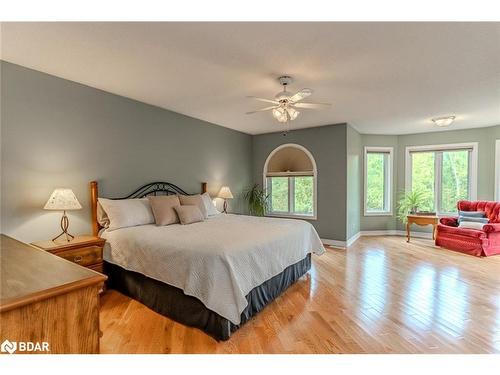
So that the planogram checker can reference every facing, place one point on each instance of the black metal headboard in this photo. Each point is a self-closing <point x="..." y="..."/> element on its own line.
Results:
<point x="155" y="188"/>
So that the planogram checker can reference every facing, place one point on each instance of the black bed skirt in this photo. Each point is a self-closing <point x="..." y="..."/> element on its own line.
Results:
<point x="173" y="303"/>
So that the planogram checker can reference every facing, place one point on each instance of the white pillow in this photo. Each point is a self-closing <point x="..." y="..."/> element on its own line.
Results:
<point x="127" y="212"/>
<point x="102" y="217"/>
<point x="209" y="205"/>
<point x="471" y="225"/>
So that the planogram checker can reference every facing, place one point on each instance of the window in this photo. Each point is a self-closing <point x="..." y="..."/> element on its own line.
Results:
<point x="444" y="174"/>
<point x="378" y="181"/>
<point x="291" y="195"/>
<point x="290" y="182"/>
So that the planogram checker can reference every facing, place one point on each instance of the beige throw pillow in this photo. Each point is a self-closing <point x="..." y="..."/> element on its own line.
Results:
<point x="194" y="200"/>
<point x="163" y="207"/>
<point x="189" y="214"/>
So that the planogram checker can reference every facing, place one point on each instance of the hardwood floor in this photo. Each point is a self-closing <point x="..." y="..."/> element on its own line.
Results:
<point x="381" y="295"/>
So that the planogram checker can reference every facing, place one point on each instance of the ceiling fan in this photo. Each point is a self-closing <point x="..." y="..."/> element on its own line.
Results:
<point x="286" y="105"/>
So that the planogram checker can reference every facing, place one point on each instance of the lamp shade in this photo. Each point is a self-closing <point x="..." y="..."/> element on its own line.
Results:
<point x="62" y="199"/>
<point x="225" y="193"/>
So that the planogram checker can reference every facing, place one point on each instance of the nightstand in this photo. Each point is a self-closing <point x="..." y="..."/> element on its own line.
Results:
<point x="83" y="250"/>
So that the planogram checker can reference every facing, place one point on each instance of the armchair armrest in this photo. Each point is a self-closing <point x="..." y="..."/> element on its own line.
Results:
<point x="449" y="221"/>
<point x="493" y="227"/>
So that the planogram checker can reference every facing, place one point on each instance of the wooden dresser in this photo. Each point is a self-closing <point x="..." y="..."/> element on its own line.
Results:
<point x="45" y="298"/>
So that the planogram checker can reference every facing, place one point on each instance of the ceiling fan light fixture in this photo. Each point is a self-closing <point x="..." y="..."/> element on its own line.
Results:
<point x="292" y="113"/>
<point x="443" y="122"/>
<point x="278" y="113"/>
<point x="282" y="119"/>
<point x="284" y="102"/>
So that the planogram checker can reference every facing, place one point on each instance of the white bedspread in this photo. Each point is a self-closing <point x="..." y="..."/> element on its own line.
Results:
<point x="219" y="261"/>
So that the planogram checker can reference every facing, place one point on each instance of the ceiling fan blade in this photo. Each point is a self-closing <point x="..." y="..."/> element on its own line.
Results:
<point x="311" y="105"/>
<point x="263" y="100"/>
<point x="302" y="94"/>
<point x="262" y="110"/>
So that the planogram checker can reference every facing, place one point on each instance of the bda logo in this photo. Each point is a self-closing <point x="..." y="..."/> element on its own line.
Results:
<point x="9" y="347"/>
<point x="24" y="346"/>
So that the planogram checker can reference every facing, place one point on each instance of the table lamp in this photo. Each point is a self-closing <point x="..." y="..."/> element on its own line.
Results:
<point x="225" y="193"/>
<point x="63" y="200"/>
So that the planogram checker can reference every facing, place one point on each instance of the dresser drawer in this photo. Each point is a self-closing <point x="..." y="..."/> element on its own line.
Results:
<point x="83" y="256"/>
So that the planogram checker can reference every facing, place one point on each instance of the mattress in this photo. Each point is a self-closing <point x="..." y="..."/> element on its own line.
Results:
<point x="218" y="261"/>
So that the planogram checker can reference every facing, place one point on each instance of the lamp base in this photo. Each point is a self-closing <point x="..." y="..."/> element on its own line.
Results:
<point x="224" y="208"/>
<point x="64" y="228"/>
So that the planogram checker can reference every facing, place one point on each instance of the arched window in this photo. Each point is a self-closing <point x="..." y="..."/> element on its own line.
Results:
<point x="290" y="181"/>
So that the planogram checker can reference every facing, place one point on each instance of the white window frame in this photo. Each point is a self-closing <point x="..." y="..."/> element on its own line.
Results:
<point x="473" y="166"/>
<point x="290" y="196"/>
<point x="388" y="180"/>
<point x="497" y="170"/>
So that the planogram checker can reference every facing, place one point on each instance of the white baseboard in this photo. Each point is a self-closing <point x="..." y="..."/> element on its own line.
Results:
<point x="367" y="233"/>
<point x="394" y="232"/>
<point x="334" y="243"/>
<point x="353" y="239"/>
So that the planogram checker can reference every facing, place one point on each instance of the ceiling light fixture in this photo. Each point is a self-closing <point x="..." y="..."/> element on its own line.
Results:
<point x="443" y="121"/>
<point x="285" y="105"/>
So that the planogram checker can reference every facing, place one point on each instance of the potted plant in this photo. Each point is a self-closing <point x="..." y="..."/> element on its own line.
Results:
<point x="256" y="199"/>
<point x="409" y="202"/>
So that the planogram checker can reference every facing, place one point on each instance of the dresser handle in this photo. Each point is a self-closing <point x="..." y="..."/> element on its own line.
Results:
<point x="77" y="259"/>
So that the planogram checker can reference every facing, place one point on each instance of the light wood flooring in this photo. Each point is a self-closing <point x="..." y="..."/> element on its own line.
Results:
<point x="381" y="295"/>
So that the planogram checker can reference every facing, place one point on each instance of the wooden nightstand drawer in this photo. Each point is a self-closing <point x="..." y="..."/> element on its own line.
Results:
<point x="85" y="251"/>
<point x="96" y="267"/>
<point x="83" y="256"/>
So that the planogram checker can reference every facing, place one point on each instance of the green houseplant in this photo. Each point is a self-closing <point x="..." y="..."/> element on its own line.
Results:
<point x="256" y="199"/>
<point x="409" y="202"/>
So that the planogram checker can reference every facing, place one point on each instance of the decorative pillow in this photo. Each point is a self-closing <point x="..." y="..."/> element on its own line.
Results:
<point x="189" y="214"/>
<point x="163" y="209"/>
<point x="483" y="220"/>
<point x="209" y="205"/>
<point x="472" y="213"/>
<point x="127" y="212"/>
<point x="471" y="225"/>
<point x="194" y="200"/>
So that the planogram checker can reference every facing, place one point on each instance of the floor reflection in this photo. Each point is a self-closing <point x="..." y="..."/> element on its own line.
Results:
<point x="420" y="298"/>
<point x="313" y="277"/>
<point x="436" y="298"/>
<point x="373" y="296"/>
<point x="452" y="301"/>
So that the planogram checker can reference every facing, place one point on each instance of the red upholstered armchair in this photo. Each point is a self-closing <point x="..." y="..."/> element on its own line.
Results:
<point x="483" y="242"/>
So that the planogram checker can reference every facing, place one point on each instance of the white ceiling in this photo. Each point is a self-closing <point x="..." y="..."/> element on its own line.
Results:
<point x="383" y="78"/>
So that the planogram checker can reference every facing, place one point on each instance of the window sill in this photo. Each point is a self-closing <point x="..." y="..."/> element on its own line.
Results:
<point x="285" y="216"/>
<point x="378" y="214"/>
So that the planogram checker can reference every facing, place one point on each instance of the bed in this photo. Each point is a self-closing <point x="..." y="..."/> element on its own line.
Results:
<point x="214" y="275"/>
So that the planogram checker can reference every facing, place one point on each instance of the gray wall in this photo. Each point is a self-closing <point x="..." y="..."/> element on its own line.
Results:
<point x="57" y="133"/>
<point x="328" y="146"/>
<point x="486" y="163"/>
<point x="354" y="177"/>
